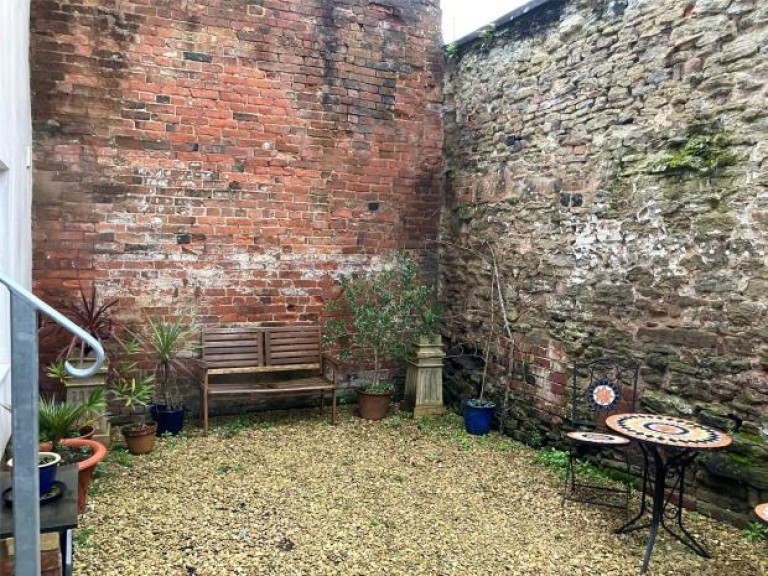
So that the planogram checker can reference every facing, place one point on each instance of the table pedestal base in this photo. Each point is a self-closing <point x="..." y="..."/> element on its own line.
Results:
<point x="678" y="462"/>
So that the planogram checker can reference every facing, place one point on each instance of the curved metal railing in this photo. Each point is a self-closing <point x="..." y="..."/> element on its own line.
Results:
<point x="24" y="308"/>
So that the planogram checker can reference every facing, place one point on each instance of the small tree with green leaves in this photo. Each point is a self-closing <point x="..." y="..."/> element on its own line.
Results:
<point x="378" y="314"/>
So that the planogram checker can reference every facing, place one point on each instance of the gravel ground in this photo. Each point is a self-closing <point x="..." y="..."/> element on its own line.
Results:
<point x="283" y="495"/>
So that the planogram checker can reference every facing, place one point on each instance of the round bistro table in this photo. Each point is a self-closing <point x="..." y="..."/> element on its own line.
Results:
<point x="673" y="443"/>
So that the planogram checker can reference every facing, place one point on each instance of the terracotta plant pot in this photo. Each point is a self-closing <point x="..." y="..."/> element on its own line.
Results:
<point x="140" y="440"/>
<point x="86" y="467"/>
<point x="373" y="405"/>
<point x="86" y="432"/>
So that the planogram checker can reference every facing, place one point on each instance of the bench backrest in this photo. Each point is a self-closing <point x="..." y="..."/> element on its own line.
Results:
<point x="233" y="347"/>
<point x="267" y="348"/>
<point x="292" y="345"/>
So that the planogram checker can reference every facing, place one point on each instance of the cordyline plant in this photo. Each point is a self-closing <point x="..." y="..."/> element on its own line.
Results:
<point x="378" y="314"/>
<point x="93" y="315"/>
<point x="165" y="341"/>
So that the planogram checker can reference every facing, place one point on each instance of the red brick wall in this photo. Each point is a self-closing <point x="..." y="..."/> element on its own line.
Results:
<point x="50" y="556"/>
<point x="222" y="158"/>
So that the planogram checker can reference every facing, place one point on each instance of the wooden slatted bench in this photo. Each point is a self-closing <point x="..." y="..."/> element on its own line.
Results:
<point x="265" y="350"/>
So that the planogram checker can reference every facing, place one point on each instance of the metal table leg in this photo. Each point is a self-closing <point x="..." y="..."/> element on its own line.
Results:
<point x="679" y="461"/>
<point x="66" y="542"/>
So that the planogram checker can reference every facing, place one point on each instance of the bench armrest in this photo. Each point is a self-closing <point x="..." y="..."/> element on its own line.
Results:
<point x="334" y="363"/>
<point x="331" y="359"/>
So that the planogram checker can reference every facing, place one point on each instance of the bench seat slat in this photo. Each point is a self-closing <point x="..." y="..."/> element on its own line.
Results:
<point x="291" y="387"/>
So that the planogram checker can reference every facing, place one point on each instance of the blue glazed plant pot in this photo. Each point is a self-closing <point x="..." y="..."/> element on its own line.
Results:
<point x="478" y="419"/>
<point x="169" y="420"/>
<point x="46" y="471"/>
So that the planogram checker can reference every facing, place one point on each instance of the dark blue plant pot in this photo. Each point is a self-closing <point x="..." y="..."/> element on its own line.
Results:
<point x="47" y="476"/>
<point x="477" y="419"/>
<point x="169" y="420"/>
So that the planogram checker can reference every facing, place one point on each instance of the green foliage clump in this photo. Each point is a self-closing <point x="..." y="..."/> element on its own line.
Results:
<point x="488" y="37"/>
<point x="451" y="51"/>
<point x="379" y="313"/>
<point x="553" y="459"/>
<point x="58" y="420"/>
<point x="755" y="532"/>
<point x="82" y="537"/>
<point x="700" y="153"/>
<point x="234" y="427"/>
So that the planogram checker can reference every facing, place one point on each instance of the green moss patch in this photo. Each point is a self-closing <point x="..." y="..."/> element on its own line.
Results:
<point x="699" y="154"/>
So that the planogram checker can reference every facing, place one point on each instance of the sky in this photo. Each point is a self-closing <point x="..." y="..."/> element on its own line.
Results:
<point x="460" y="17"/>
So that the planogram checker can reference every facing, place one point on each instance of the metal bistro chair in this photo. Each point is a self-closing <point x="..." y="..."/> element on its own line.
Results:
<point x="599" y="389"/>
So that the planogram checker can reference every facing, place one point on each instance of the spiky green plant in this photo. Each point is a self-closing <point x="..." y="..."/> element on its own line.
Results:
<point x="166" y="340"/>
<point x="58" y="420"/>
<point x="135" y="391"/>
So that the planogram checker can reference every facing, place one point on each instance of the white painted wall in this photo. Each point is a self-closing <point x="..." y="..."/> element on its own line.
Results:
<point x="15" y="176"/>
<point x="461" y="17"/>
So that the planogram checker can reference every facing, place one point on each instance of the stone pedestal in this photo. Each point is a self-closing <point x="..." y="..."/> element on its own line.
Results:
<point x="424" y="379"/>
<point x="78" y="390"/>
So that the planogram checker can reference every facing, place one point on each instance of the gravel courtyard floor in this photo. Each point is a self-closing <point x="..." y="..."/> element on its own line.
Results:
<point x="293" y="495"/>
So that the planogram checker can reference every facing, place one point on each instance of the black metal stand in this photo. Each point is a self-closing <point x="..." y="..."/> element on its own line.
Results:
<point x="594" y="494"/>
<point x="675" y="462"/>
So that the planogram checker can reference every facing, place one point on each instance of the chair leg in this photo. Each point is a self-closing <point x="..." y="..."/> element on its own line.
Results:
<point x="333" y="406"/>
<point x="204" y="406"/>
<point x="322" y="401"/>
<point x="569" y="477"/>
<point x="627" y="483"/>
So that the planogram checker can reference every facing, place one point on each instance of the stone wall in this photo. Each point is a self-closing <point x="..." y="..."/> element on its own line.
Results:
<point x="225" y="159"/>
<point x="611" y="157"/>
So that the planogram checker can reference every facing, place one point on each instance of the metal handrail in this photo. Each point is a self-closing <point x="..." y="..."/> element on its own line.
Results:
<point x="25" y="307"/>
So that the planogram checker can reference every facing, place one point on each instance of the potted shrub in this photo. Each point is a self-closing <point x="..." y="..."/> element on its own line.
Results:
<point x="94" y="315"/>
<point x="166" y="340"/>
<point x="478" y="415"/>
<point x="60" y="420"/>
<point x="46" y="466"/>
<point x="134" y="392"/>
<point x="60" y="423"/>
<point x="376" y="317"/>
<point x="87" y="412"/>
<point x="478" y="412"/>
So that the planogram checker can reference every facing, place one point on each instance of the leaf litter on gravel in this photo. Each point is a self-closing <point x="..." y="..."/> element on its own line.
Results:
<point x="292" y="495"/>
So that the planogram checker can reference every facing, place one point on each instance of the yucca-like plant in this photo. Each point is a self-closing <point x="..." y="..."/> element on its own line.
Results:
<point x="94" y="315"/>
<point x="58" y="420"/>
<point x="166" y="340"/>
<point x="134" y="392"/>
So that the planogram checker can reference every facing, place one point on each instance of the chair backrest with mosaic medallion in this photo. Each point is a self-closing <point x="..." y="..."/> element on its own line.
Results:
<point x="600" y="388"/>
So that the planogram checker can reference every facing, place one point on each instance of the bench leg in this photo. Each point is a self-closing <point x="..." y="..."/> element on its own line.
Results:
<point x="333" y="407"/>
<point x="322" y="401"/>
<point x="204" y="406"/>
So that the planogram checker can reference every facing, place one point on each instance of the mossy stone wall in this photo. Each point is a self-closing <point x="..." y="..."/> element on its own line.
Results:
<point x="614" y="157"/>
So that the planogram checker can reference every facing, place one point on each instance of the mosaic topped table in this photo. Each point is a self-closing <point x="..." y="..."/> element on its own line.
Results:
<point x="673" y="443"/>
<point x="762" y="511"/>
